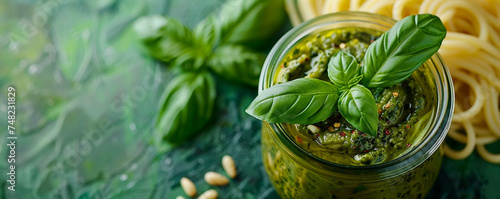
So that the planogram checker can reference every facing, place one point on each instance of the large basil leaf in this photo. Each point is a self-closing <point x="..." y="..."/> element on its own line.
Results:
<point x="301" y="101"/>
<point x="237" y="63"/>
<point x="170" y="41"/>
<point x="401" y="50"/>
<point x="358" y="107"/>
<point x="250" y="22"/>
<point x="185" y="108"/>
<point x="342" y="68"/>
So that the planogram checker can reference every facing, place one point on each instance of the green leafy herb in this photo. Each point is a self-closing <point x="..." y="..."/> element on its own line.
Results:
<point x="247" y="23"/>
<point x="401" y="50"/>
<point x="301" y="101"/>
<point x="352" y="82"/>
<point x="224" y="43"/>
<point x="170" y="41"/>
<point x="342" y="68"/>
<point x="388" y="61"/>
<point x="237" y="63"/>
<point x="186" y="106"/>
<point x="208" y="32"/>
<point x="358" y="107"/>
<point x="250" y="22"/>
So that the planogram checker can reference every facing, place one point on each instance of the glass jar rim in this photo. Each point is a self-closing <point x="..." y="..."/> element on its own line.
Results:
<point x="445" y="94"/>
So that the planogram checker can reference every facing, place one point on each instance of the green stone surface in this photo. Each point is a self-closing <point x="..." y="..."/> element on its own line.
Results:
<point x="86" y="96"/>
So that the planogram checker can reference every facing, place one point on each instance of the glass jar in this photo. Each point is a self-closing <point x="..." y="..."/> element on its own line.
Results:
<point x="296" y="173"/>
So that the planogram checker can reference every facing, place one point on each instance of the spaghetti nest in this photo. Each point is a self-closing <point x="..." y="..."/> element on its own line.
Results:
<point x="471" y="50"/>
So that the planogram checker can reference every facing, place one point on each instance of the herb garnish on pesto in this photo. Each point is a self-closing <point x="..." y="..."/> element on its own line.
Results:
<point x="362" y="82"/>
<point x="388" y="61"/>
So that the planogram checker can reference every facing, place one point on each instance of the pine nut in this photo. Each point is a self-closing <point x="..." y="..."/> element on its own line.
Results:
<point x="312" y="128"/>
<point x="215" y="179"/>
<point x="188" y="187"/>
<point x="209" y="194"/>
<point x="229" y="166"/>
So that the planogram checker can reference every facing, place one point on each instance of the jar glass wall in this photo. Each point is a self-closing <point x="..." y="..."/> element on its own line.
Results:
<point x="296" y="173"/>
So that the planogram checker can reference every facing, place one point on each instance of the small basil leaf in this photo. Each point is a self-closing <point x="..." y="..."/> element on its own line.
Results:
<point x="237" y="63"/>
<point x="149" y="28"/>
<point x="401" y="50"/>
<point x="301" y="101"/>
<point x="185" y="108"/>
<point x="170" y="41"/>
<point x="342" y="67"/>
<point x="354" y="81"/>
<point x="250" y="22"/>
<point x="208" y="32"/>
<point x="358" y="107"/>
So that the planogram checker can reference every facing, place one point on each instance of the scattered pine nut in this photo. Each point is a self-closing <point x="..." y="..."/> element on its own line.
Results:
<point x="331" y="129"/>
<point x="215" y="179"/>
<point x="209" y="194"/>
<point x="188" y="187"/>
<point x="395" y="94"/>
<point x="229" y="166"/>
<point x="336" y="125"/>
<point x="312" y="128"/>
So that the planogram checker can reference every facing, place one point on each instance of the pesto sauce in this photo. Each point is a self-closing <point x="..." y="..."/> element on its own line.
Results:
<point x="400" y="106"/>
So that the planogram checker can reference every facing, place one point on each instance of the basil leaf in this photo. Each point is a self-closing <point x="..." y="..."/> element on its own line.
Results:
<point x="237" y="63"/>
<point x="170" y="41"/>
<point x="358" y="107"/>
<point x="207" y="32"/>
<point x="186" y="106"/>
<point x="250" y="22"/>
<point x="301" y="101"/>
<point x="401" y="50"/>
<point x="354" y="81"/>
<point x="342" y="67"/>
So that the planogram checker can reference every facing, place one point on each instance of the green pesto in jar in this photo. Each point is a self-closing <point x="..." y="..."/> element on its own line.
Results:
<point x="400" y="107"/>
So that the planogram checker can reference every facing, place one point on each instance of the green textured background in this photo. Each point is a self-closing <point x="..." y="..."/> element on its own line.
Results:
<point x="86" y="96"/>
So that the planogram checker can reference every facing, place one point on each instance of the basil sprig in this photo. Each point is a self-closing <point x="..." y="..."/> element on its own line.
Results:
<point x="388" y="61"/>
<point x="224" y="43"/>
<point x="168" y="40"/>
